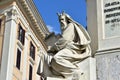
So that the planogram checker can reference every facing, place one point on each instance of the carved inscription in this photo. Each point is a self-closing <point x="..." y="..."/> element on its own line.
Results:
<point x="111" y="11"/>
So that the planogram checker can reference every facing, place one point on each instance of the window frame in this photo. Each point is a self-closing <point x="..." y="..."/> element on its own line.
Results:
<point x="30" y="72"/>
<point x="21" y="34"/>
<point x="32" y="50"/>
<point x="18" y="59"/>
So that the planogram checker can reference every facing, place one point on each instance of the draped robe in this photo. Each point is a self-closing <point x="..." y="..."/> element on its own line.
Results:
<point x="69" y="50"/>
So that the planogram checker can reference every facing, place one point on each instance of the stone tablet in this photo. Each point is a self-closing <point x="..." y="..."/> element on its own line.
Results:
<point x="111" y="13"/>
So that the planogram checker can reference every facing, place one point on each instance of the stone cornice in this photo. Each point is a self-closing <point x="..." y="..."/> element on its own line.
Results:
<point x="31" y="17"/>
<point x="32" y="21"/>
<point x="37" y="16"/>
<point x="36" y="23"/>
<point x="107" y="51"/>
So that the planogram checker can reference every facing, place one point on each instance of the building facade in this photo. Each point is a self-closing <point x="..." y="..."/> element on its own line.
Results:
<point x="22" y="33"/>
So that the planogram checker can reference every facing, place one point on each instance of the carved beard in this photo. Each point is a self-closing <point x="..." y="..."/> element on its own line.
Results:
<point x="63" y="26"/>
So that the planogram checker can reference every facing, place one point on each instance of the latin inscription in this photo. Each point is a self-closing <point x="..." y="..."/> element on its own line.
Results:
<point x="111" y="17"/>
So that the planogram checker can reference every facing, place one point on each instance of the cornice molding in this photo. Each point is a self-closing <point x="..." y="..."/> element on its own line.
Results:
<point x="38" y="17"/>
<point x="30" y="17"/>
<point x="32" y="20"/>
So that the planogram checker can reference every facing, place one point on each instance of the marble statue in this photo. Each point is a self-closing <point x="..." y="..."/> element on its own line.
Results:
<point x="70" y="49"/>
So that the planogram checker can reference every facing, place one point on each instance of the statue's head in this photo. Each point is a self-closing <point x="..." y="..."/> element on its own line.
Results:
<point x="64" y="19"/>
<point x="63" y="15"/>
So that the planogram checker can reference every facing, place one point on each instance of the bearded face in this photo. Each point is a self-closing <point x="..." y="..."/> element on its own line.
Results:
<point x="63" y="22"/>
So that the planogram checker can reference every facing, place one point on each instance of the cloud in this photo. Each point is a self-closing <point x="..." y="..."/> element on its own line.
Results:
<point x="51" y="29"/>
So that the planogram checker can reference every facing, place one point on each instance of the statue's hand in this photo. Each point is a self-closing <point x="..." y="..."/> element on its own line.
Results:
<point x="52" y="50"/>
<point x="49" y="50"/>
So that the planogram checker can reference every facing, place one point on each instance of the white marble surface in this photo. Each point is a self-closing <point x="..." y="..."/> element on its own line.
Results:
<point x="108" y="66"/>
<point x="87" y="71"/>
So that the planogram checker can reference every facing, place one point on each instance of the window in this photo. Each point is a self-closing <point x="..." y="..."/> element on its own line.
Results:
<point x="30" y="72"/>
<point x="32" y="51"/>
<point x="18" y="59"/>
<point x="21" y="34"/>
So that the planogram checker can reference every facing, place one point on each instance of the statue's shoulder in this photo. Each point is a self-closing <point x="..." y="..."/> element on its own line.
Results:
<point x="70" y="24"/>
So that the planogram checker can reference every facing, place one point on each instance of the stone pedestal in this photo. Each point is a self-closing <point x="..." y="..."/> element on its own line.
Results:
<point x="104" y="30"/>
<point x="108" y="66"/>
<point x="87" y="71"/>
